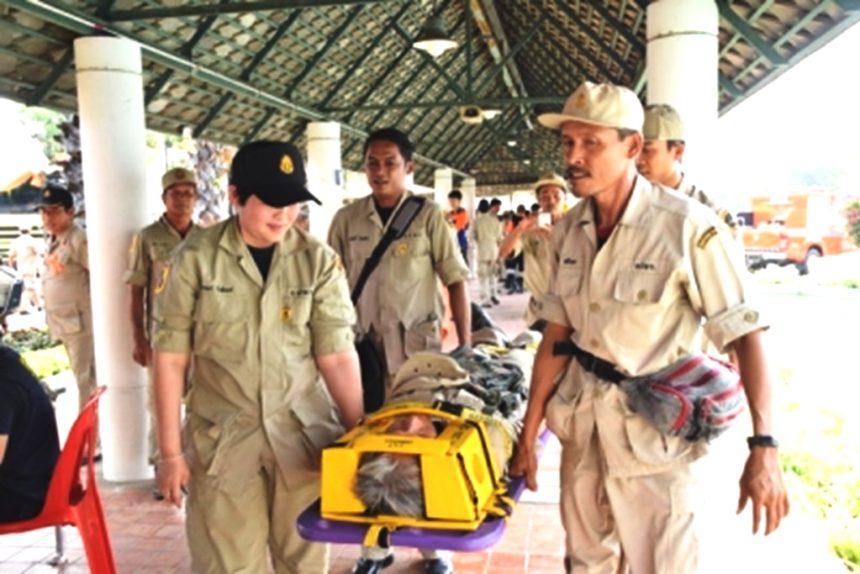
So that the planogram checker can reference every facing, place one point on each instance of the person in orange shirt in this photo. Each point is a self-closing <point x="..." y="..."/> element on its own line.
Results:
<point x="459" y="218"/>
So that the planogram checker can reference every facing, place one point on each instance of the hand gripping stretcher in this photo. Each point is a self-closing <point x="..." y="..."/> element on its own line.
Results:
<point x="467" y="499"/>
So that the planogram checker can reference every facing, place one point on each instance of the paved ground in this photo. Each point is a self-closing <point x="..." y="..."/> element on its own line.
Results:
<point x="148" y="536"/>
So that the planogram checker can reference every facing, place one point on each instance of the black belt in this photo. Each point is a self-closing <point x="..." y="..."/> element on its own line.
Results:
<point x="603" y="369"/>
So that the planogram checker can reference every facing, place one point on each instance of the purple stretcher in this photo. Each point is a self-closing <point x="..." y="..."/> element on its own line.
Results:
<point x="312" y="526"/>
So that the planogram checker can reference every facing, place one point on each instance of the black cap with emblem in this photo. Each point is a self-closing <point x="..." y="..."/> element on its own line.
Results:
<point x="55" y="195"/>
<point x="273" y="171"/>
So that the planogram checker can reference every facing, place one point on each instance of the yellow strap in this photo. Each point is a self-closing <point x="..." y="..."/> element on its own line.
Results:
<point x="374" y="531"/>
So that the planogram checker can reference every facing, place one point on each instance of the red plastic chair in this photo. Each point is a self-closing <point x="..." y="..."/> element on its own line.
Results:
<point x="73" y="496"/>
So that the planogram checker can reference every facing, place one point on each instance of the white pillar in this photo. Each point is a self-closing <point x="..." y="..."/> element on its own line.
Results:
<point x="325" y="175"/>
<point x="443" y="183"/>
<point x="110" y="103"/>
<point x="682" y="59"/>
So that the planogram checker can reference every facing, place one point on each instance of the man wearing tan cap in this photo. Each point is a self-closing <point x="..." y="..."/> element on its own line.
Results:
<point x="637" y="272"/>
<point x="147" y="259"/>
<point x="264" y="309"/>
<point x="663" y="152"/>
<point x="532" y="237"/>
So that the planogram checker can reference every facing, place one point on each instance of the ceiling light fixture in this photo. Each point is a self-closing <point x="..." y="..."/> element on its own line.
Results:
<point x="512" y="143"/>
<point x="490" y="113"/>
<point x="433" y="37"/>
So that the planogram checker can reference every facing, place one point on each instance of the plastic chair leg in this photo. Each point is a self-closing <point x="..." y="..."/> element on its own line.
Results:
<point x="59" y="558"/>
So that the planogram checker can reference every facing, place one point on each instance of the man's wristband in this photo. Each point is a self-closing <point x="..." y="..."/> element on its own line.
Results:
<point x="764" y="440"/>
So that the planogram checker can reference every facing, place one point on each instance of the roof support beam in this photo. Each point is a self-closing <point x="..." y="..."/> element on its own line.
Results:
<point x="596" y="39"/>
<point x="481" y="151"/>
<point x="849" y="5"/>
<point x="483" y="102"/>
<point x="394" y="64"/>
<point x="502" y="66"/>
<point x="750" y="34"/>
<point x="524" y="16"/>
<point x="186" y="50"/>
<point x="228" y="8"/>
<point x="488" y="22"/>
<point x="617" y="26"/>
<point x="427" y="57"/>
<point x="58" y="70"/>
<point x="729" y="86"/>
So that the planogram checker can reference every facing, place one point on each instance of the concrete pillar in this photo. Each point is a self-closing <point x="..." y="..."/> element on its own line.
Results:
<point x="682" y="56"/>
<point x="443" y="183"/>
<point x="325" y="175"/>
<point x="110" y="103"/>
<point x="467" y="187"/>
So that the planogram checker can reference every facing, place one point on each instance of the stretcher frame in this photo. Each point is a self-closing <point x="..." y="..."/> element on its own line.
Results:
<point x="312" y="526"/>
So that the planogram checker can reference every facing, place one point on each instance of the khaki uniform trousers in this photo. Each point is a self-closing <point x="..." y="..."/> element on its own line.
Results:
<point x="231" y="532"/>
<point x="487" y="280"/>
<point x="614" y="525"/>
<point x="79" y="348"/>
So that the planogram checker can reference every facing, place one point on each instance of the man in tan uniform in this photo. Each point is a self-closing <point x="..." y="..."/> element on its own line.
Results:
<point x="66" y="287"/>
<point x="531" y="235"/>
<point x="637" y="271"/>
<point x="401" y="307"/>
<point x="264" y="309"/>
<point x="663" y="152"/>
<point x="486" y="233"/>
<point x="148" y="257"/>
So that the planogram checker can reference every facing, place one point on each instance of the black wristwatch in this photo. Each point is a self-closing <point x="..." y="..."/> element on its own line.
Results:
<point x="764" y="440"/>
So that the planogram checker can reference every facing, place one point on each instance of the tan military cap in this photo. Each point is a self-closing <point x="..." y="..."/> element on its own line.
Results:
<point x="177" y="175"/>
<point x="605" y="105"/>
<point x="662" y="122"/>
<point x="428" y="364"/>
<point x="550" y="179"/>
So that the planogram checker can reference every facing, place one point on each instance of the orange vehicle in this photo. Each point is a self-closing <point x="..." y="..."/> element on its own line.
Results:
<point x="794" y="231"/>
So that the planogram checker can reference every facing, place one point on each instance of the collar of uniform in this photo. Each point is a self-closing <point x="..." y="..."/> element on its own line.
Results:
<point x="636" y="214"/>
<point x="369" y="207"/>
<point x="166" y="223"/>
<point x="231" y="239"/>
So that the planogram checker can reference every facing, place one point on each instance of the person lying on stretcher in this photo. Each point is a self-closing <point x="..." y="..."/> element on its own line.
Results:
<point x="492" y="379"/>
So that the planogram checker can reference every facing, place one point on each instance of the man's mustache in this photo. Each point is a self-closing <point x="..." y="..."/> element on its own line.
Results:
<point x="572" y="172"/>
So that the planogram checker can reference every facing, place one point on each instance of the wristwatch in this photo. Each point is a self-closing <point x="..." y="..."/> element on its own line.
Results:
<point x="764" y="440"/>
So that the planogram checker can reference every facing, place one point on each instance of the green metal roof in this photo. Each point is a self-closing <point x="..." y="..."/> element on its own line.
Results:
<point x="236" y="71"/>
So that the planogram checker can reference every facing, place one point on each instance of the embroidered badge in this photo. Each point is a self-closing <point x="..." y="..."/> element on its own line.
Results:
<point x="286" y="313"/>
<point x="580" y="101"/>
<point x="402" y="249"/>
<point x="287" y="164"/>
<point x="706" y="236"/>
<point x="162" y="281"/>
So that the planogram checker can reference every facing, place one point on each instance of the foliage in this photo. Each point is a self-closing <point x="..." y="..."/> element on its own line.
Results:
<point x="211" y="163"/>
<point x="820" y="467"/>
<point x="29" y="340"/>
<point x="852" y="215"/>
<point x="47" y="362"/>
<point x="70" y="162"/>
<point x="44" y="126"/>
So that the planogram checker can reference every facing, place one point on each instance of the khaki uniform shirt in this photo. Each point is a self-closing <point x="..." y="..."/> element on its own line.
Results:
<point x="537" y="252"/>
<point x="149" y="255"/>
<point x="253" y="343"/>
<point x="669" y="267"/>
<point x="401" y="301"/>
<point x="690" y="190"/>
<point x="486" y="231"/>
<point x="66" y="283"/>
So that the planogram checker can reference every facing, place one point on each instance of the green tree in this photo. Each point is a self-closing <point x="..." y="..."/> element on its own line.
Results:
<point x="44" y="125"/>
<point x="852" y="215"/>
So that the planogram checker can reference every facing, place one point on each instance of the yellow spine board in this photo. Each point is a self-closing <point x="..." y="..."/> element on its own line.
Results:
<point x="461" y="479"/>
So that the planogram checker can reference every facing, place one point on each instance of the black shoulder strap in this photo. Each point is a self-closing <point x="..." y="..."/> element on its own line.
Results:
<point x="398" y="225"/>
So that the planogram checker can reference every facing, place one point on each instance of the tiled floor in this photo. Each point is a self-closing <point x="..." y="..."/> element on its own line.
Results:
<point x="149" y="537"/>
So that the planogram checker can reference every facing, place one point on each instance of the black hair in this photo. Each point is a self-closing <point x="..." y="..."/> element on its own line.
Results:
<point x="483" y="206"/>
<point x="392" y="135"/>
<point x="495" y="201"/>
<point x="456" y="194"/>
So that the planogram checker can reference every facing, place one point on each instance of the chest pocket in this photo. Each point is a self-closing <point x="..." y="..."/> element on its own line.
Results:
<point x="295" y="315"/>
<point x="409" y="261"/>
<point x="221" y="328"/>
<point x="640" y="287"/>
